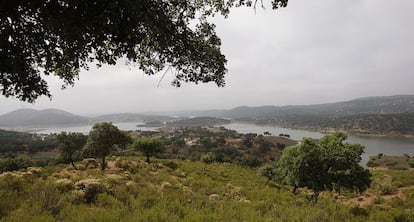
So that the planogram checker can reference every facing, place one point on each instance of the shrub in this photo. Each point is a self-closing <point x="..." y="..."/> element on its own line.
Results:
<point x="11" y="164"/>
<point x="90" y="163"/>
<point x="171" y="165"/>
<point x="359" y="211"/>
<point x="126" y="165"/>
<point x="372" y="164"/>
<point x="47" y="195"/>
<point x="384" y="185"/>
<point x="208" y="158"/>
<point x="411" y="163"/>
<point x="91" y="187"/>
<point x="391" y="164"/>
<point x="64" y="185"/>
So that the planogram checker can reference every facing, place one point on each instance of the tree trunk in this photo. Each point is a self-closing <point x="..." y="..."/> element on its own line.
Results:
<point x="314" y="197"/>
<point x="71" y="161"/>
<point x="103" y="163"/>
<point x="148" y="158"/>
<point x="295" y="188"/>
<point x="73" y="164"/>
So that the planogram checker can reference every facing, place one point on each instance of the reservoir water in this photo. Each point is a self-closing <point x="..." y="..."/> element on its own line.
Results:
<point x="396" y="146"/>
<point x="373" y="145"/>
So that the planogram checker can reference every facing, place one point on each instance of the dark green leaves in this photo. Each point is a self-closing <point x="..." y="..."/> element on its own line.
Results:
<point x="331" y="164"/>
<point x="60" y="37"/>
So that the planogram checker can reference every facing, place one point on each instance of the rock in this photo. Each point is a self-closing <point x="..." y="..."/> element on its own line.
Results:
<point x="214" y="197"/>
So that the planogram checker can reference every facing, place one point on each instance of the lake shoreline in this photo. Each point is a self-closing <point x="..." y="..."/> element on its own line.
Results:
<point x="331" y="130"/>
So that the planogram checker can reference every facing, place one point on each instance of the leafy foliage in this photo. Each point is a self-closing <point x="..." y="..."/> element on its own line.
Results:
<point x="16" y="163"/>
<point x="330" y="164"/>
<point x="61" y="37"/>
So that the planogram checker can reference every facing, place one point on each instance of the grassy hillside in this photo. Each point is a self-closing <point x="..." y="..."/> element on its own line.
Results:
<point x="132" y="190"/>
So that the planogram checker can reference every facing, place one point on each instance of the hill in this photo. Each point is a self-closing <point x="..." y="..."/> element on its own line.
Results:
<point x="369" y="115"/>
<point x="132" y="117"/>
<point x="380" y="124"/>
<point x="198" y="121"/>
<point x="46" y="117"/>
<point x="377" y="105"/>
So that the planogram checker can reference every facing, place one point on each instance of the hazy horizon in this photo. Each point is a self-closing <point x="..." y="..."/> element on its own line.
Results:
<point x="172" y="112"/>
<point x="311" y="52"/>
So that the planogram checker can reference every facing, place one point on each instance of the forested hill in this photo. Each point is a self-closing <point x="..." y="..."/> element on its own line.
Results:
<point x="369" y="115"/>
<point x="389" y="124"/>
<point x="198" y="121"/>
<point x="379" y="105"/>
<point x="32" y="117"/>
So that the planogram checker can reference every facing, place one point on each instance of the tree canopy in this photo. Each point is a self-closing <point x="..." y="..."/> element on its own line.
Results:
<point x="149" y="146"/>
<point x="103" y="137"/>
<point x="61" y="37"/>
<point x="70" y="143"/>
<point x="330" y="164"/>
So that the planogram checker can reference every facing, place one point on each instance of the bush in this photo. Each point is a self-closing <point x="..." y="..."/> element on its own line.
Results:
<point x="372" y="164"/>
<point x="359" y="211"/>
<point x="12" y="164"/>
<point x="171" y="165"/>
<point x="384" y="185"/>
<point x="90" y="163"/>
<point x="391" y="164"/>
<point x="91" y="187"/>
<point x="411" y="163"/>
<point x="208" y="158"/>
<point x="126" y="165"/>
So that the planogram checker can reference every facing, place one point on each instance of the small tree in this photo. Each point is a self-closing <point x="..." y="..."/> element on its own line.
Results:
<point x="149" y="146"/>
<point x="70" y="143"/>
<point x="330" y="164"/>
<point x="104" y="137"/>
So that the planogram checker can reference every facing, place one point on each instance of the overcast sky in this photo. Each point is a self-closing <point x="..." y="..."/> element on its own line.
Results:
<point x="310" y="52"/>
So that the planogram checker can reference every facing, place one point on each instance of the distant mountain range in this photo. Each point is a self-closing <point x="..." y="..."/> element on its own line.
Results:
<point x="393" y="114"/>
<point x="55" y="117"/>
<point x="32" y="117"/>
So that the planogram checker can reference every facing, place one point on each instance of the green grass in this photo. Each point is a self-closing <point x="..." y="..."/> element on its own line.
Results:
<point x="391" y="162"/>
<point x="190" y="191"/>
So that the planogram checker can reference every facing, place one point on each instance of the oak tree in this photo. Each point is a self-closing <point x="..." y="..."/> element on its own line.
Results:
<point x="148" y="146"/>
<point x="70" y="143"/>
<point x="104" y="137"/>
<point x="330" y="164"/>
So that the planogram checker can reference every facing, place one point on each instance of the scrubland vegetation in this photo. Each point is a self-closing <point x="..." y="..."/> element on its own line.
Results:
<point x="403" y="162"/>
<point x="179" y="190"/>
<point x="202" y="174"/>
